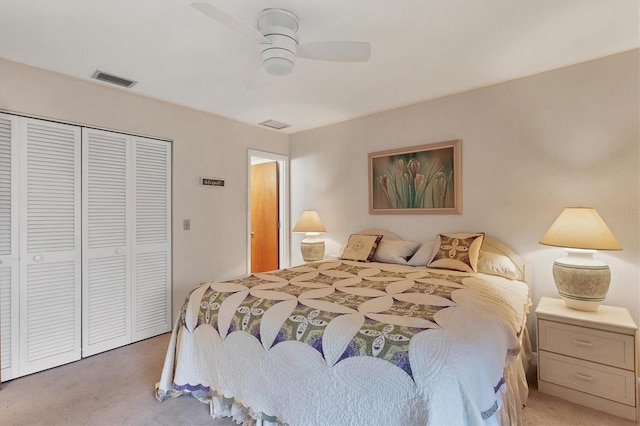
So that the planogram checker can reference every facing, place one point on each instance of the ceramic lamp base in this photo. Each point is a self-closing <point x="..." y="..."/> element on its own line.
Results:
<point x="312" y="251"/>
<point x="582" y="281"/>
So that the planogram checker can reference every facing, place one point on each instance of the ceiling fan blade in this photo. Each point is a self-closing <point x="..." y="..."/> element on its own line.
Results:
<point x="259" y="80"/>
<point x="339" y="51"/>
<point x="230" y="21"/>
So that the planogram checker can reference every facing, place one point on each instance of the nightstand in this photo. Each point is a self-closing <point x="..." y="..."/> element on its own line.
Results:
<point x="588" y="358"/>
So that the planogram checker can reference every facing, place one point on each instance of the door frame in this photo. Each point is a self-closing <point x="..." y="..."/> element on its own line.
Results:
<point x="254" y="156"/>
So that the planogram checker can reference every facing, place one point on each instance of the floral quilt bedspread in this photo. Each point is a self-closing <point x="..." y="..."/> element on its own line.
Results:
<point x="348" y="310"/>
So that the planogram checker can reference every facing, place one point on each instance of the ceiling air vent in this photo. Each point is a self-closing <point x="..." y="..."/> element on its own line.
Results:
<point x="275" y="124"/>
<point x="113" y="79"/>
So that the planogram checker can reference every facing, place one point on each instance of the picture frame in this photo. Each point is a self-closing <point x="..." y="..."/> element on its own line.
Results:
<point x="424" y="179"/>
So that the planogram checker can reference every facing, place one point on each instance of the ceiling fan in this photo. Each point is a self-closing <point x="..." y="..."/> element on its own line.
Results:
<point x="277" y="35"/>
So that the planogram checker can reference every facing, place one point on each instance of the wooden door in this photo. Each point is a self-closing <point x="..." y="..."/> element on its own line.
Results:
<point x="264" y="217"/>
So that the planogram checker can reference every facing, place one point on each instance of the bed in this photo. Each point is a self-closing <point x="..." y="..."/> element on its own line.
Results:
<point x="341" y="341"/>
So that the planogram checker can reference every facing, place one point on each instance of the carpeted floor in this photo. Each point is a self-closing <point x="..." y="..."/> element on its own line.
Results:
<point x="116" y="388"/>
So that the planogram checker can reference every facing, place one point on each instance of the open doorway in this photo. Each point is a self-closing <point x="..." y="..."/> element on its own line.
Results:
<point x="268" y="220"/>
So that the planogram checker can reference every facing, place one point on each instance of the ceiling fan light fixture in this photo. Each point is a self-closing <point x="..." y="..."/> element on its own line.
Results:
<point x="277" y="61"/>
<point x="278" y="66"/>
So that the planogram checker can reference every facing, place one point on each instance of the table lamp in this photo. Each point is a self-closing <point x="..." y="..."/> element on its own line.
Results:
<point x="312" y="247"/>
<point x="582" y="280"/>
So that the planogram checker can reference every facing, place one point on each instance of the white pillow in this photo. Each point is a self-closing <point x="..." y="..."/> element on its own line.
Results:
<point x="423" y="255"/>
<point x="389" y="251"/>
<point x="497" y="264"/>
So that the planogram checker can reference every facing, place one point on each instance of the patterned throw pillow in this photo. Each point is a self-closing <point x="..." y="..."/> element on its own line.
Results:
<point x="457" y="251"/>
<point x="361" y="247"/>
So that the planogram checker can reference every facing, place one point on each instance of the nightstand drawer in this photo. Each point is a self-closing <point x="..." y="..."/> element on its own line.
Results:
<point x="599" y="346"/>
<point x="589" y="377"/>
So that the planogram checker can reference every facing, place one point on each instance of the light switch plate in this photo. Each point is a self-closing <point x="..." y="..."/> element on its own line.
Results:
<point x="186" y="224"/>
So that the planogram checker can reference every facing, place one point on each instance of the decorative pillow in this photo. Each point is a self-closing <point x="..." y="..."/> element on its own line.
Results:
<point x="497" y="264"/>
<point x="394" y="251"/>
<point x="423" y="255"/>
<point x="361" y="247"/>
<point x="457" y="251"/>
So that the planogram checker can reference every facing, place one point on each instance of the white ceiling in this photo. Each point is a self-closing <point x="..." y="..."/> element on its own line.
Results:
<point x="421" y="49"/>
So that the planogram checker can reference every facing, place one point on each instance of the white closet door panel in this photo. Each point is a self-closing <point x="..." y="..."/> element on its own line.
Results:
<point x="51" y="152"/>
<point x="105" y="164"/>
<point x="8" y="187"/>
<point x="152" y="294"/>
<point x="106" y="243"/>
<point x="50" y="249"/>
<point x="152" y="245"/>
<point x="153" y="191"/>
<point x="51" y="321"/>
<point x="107" y="318"/>
<point x="9" y="254"/>
<point x="9" y="320"/>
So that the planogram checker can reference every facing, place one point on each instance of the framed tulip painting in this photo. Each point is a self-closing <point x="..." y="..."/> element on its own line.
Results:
<point x="425" y="179"/>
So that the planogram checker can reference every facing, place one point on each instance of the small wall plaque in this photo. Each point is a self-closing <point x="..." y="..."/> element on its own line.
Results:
<point x="211" y="182"/>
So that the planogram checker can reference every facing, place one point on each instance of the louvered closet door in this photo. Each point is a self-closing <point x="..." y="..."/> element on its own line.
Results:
<point x="50" y="250"/>
<point x="9" y="286"/>
<point x="106" y="241"/>
<point x="152" y="233"/>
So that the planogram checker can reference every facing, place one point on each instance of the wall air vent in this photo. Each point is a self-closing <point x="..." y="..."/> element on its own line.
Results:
<point x="275" y="124"/>
<point x="113" y="79"/>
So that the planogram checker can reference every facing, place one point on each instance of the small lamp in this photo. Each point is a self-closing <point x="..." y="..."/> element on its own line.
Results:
<point x="581" y="279"/>
<point x="312" y="247"/>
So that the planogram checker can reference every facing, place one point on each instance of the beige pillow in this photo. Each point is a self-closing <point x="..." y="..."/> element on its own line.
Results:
<point x="361" y="247"/>
<point x="423" y="255"/>
<point x="457" y="251"/>
<point x="497" y="264"/>
<point x="394" y="251"/>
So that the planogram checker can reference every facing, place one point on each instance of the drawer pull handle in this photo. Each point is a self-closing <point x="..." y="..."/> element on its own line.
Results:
<point x="584" y="377"/>
<point x="582" y="343"/>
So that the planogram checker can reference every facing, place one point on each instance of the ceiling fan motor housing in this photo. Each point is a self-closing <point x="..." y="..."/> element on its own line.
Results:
<point x="279" y="26"/>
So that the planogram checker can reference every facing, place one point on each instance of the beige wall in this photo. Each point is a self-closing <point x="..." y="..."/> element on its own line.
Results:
<point x="531" y="146"/>
<point x="204" y="145"/>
